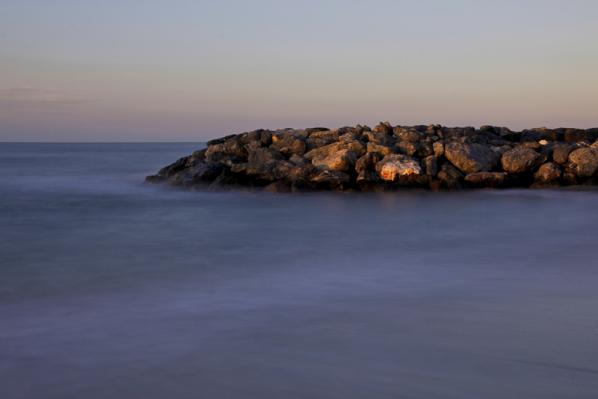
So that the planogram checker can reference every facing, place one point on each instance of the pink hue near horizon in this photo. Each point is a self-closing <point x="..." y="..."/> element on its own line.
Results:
<point x="192" y="70"/>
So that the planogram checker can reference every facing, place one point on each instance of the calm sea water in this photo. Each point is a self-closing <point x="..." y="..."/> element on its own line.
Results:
<point x="113" y="289"/>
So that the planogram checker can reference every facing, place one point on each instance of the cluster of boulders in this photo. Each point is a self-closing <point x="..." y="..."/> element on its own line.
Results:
<point x="388" y="157"/>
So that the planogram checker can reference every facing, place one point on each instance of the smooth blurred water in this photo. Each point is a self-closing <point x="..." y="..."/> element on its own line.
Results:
<point x="110" y="288"/>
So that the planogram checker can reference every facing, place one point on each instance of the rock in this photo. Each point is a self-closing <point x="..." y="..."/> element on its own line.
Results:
<point x="561" y="151"/>
<point x="297" y="160"/>
<point x="409" y="134"/>
<point x="395" y="166"/>
<point x="388" y="157"/>
<point x="438" y="147"/>
<point x="320" y="138"/>
<point x="311" y="130"/>
<point x="278" y="187"/>
<point x="520" y="160"/>
<point x="354" y="145"/>
<point x="431" y="165"/>
<point x="450" y="177"/>
<point x="169" y="170"/>
<point x="548" y="173"/>
<point x="335" y="156"/>
<point x="288" y="144"/>
<point x="330" y="179"/>
<point x="425" y="148"/>
<point x="262" y="156"/>
<point x="383" y="127"/>
<point x="584" y="161"/>
<point x="486" y="179"/>
<point x="234" y="147"/>
<point x="342" y="160"/>
<point x="407" y="147"/>
<point x="220" y="140"/>
<point x="471" y="158"/>
<point x="365" y="167"/>
<point x="382" y="149"/>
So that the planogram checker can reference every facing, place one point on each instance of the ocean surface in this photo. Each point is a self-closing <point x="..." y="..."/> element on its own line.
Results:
<point x="110" y="288"/>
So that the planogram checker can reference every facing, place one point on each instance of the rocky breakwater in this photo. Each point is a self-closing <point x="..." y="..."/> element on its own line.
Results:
<point x="389" y="157"/>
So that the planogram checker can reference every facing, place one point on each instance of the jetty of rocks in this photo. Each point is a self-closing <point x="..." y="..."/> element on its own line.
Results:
<point x="390" y="157"/>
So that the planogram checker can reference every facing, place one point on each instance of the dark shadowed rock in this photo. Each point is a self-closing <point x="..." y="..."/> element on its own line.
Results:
<point x="450" y="177"/>
<point x="382" y="149"/>
<point x="365" y="167"/>
<point x="173" y="168"/>
<point x="438" y="148"/>
<point x="431" y="165"/>
<point x="330" y="179"/>
<point x="407" y="147"/>
<point x="471" y="158"/>
<point x="486" y="179"/>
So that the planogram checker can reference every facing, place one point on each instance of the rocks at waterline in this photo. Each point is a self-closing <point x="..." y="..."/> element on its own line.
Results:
<point x="390" y="157"/>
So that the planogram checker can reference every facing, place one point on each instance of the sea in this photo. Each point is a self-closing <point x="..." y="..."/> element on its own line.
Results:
<point x="113" y="288"/>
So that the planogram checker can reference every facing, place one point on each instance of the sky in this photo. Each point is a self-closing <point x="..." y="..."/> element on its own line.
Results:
<point x="181" y="70"/>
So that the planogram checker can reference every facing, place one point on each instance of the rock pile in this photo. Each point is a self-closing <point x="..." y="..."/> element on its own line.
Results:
<point x="389" y="157"/>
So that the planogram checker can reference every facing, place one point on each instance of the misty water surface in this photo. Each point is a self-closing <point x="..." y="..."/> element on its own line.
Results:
<point x="113" y="289"/>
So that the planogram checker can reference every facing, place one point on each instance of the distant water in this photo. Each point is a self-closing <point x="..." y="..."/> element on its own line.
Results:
<point x="113" y="289"/>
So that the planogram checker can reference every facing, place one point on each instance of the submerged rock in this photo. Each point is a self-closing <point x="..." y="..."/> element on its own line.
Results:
<point x="389" y="157"/>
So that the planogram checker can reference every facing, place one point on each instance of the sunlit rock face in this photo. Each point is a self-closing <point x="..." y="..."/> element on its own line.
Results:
<point x="390" y="157"/>
<point x="393" y="166"/>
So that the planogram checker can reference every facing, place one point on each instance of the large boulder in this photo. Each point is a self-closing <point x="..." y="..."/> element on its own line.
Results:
<point x="471" y="158"/>
<point x="548" y="173"/>
<point x="342" y="160"/>
<point x="337" y="156"/>
<point x="520" y="160"/>
<point x="584" y="161"/>
<point x="395" y="166"/>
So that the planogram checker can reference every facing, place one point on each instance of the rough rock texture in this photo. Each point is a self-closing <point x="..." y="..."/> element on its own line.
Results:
<point x="387" y="157"/>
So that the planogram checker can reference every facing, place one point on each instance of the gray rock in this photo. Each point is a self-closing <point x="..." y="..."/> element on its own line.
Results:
<point x="471" y="158"/>
<point x="520" y="160"/>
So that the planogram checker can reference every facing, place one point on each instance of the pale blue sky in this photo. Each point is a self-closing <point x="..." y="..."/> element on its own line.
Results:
<point x="189" y="70"/>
